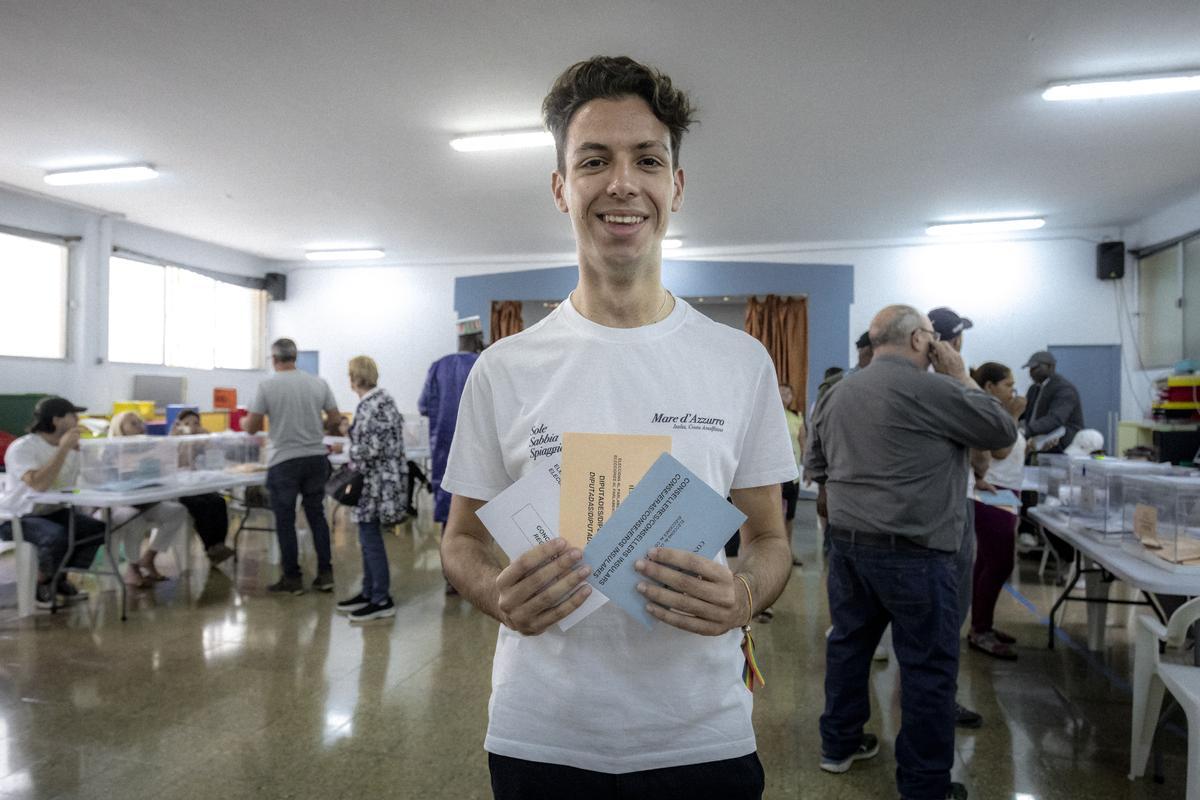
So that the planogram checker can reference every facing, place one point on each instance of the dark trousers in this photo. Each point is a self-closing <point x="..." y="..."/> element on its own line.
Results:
<point x="791" y="493"/>
<point x="305" y="478"/>
<point x="209" y="516"/>
<point x="731" y="779"/>
<point x="377" y="579"/>
<point x="48" y="533"/>
<point x="915" y="589"/>
<point x="995" y="530"/>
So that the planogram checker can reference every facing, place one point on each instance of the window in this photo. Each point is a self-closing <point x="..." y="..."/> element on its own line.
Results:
<point x="179" y="318"/>
<point x="33" y="282"/>
<point x="1169" y="304"/>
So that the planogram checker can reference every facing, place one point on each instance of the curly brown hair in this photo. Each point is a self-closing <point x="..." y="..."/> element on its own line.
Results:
<point x="611" y="77"/>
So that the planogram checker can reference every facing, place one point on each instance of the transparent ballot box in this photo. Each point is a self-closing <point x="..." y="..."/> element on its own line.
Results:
<point x="1163" y="514"/>
<point x="1055" y="479"/>
<point x="1100" y="506"/>
<point x="128" y="462"/>
<point x="207" y="453"/>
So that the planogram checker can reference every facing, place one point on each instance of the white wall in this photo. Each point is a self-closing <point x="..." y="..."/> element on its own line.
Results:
<point x="1023" y="296"/>
<point x="85" y="376"/>
<point x="403" y="317"/>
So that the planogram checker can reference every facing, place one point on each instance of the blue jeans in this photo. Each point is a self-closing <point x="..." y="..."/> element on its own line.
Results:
<point x="377" y="580"/>
<point x="916" y="590"/>
<point x="48" y="533"/>
<point x="305" y="478"/>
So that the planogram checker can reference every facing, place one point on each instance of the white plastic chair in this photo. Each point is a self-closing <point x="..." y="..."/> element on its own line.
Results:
<point x="27" y="568"/>
<point x="1152" y="677"/>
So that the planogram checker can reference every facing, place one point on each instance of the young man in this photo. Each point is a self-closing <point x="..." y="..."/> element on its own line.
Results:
<point x="47" y="459"/>
<point x="609" y="704"/>
<point x="294" y="401"/>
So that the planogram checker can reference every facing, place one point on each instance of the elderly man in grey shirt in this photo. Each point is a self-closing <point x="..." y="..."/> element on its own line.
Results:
<point x="293" y="401"/>
<point x="888" y="445"/>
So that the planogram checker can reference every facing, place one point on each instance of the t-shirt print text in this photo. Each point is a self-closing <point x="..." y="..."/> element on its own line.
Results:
<point x="689" y="421"/>
<point x="543" y="443"/>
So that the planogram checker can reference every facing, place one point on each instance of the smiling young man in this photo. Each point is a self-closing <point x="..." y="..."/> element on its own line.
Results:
<point x="608" y="708"/>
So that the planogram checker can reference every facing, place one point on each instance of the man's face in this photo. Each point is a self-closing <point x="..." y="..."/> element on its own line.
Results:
<point x="619" y="188"/>
<point x="64" y="424"/>
<point x="1039" y="372"/>
<point x="922" y="340"/>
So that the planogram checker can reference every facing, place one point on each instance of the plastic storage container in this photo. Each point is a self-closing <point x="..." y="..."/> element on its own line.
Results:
<point x="1101" y="498"/>
<point x="126" y="463"/>
<point x="1163" y="514"/>
<point x="1055" y="480"/>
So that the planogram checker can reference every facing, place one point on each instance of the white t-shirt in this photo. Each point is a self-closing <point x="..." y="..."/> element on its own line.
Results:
<point x="608" y="695"/>
<point x="32" y="452"/>
<point x="1009" y="472"/>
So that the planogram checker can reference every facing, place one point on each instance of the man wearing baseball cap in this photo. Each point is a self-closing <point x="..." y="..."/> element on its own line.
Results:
<point x="47" y="459"/>
<point x="949" y="326"/>
<point x="1053" y="402"/>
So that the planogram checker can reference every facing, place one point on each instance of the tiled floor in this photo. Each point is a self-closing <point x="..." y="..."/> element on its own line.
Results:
<point x="214" y="689"/>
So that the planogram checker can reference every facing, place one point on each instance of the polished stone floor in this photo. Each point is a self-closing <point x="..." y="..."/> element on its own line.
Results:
<point x="212" y="688"/>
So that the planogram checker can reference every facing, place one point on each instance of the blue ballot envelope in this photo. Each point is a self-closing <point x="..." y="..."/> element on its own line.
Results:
<point x="669" y="507"/>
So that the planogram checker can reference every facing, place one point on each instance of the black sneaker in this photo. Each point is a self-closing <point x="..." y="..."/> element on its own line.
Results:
<point x="292" y="584"/>
<point x="323" y="582"/>
<point x="868" y="748"/>
<point x="372" y="612"/>
<point x="352" y="605"/>
<point x="44" y="595"/>
<point x="70" y="592"/>
<point x="966" y="718"/>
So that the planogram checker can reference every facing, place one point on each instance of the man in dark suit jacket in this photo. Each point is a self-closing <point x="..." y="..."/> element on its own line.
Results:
<point x="1053" y="402"/>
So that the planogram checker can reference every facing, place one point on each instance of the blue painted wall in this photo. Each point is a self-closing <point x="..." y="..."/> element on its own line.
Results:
<point x="829" y="288"/>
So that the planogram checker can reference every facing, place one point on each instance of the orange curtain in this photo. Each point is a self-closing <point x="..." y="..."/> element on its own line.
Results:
<point x="506" y="318"/>
<point x="781" y="324"/>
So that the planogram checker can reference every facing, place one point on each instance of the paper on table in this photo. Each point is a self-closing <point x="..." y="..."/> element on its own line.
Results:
<point x="599" y="471"/>
<point x="523" y="516"/>
<point x="1040" y="443"/>
<point x="1004" y="498"/>
<point x="670" y="507"/>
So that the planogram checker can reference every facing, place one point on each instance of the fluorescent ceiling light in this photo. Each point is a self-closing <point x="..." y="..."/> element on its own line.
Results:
<point x="1124" y="87"/>
<point x="672" y="244"/>
<point x="513" y="140"/>
<point x="343" y="255"/>
<point x="984" y="226"/>
<point x="118" y="174"/>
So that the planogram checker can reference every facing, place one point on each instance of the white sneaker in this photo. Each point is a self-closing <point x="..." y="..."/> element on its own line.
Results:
<point x="1027" y="542"/>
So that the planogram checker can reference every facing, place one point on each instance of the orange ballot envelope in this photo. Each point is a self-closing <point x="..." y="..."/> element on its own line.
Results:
<point x="598" y="472"/>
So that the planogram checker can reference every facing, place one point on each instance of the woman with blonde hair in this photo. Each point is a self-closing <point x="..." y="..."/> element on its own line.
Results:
<point x="377" y="452"/>
<point x="167" y="519"/>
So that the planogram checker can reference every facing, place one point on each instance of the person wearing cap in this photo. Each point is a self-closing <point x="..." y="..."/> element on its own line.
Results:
<point x="47" y="459"/>
<point x="1053" y="402"/>
<point x="835" y="374"/>
<point x="440" y="396"/>
<point x="949" y="327"/>
<point x="209" y="512"/>
<point x="889" y="445"/>
<point x="298" y="466"/>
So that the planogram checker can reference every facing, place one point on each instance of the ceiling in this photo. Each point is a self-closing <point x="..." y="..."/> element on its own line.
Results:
<point x="285" y="124"/>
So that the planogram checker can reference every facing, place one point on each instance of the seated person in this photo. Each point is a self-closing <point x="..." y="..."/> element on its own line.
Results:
<point x="167" y="519"/>
<point x="47" y="459"/>
<point x="210" y="516"/>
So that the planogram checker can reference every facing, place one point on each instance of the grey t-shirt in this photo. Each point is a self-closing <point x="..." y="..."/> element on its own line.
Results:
<point x="889" y="443"/>
<point x="294" y="400"/>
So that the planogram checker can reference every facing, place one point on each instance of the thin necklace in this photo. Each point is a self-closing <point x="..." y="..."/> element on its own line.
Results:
<point x="658" y="315"/>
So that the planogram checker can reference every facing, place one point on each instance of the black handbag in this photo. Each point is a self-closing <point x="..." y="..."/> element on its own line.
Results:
<point x="345" y="485"/>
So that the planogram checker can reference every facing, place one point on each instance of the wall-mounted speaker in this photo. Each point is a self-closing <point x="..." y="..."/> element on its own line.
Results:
<point x="1110" y="260"/>
<point x="276" y="285"/>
